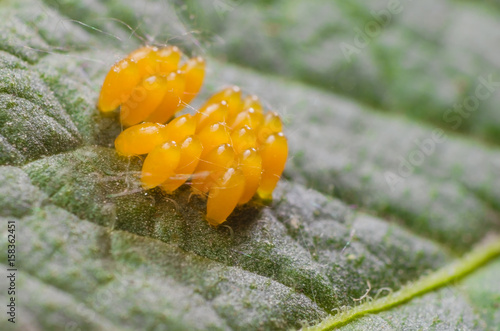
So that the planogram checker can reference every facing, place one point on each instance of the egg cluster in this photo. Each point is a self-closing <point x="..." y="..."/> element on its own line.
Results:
<point x="151" y="85"/>
<point x="228" y="151"/>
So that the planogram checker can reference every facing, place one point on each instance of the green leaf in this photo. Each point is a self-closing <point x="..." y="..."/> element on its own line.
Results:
<point x="371" y="203"/>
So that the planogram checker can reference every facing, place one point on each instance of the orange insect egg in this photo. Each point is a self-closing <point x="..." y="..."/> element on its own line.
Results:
<point x="140" y="139"/>
<point x="211" y="167"/>
<point x="118" y="85"/>
<point x="190" y="156"/>
<point x="168" y="59"/>
<point x="232" y="96"/>
<point x="274" y="153"/>
<point x="248" y="117"/>
<point x="171" y="101"/>
<point x="194" y="70"/>
<point x="144" y="99"/>
<point x="252" y="101"/>
<point x="146" y="75"/>
<point x="243" y="138"/>
<point x="160" y="164"/>
<point x="210" y="114"/>
<point x="180" y="127"/>
<point x="250" y="163"/>
<point x="272" y="124"/>
<point x="229" y="150"/>
<point x="224" y="196"/>
<point x="213" y="136"/>
<point x="146" y="60"/>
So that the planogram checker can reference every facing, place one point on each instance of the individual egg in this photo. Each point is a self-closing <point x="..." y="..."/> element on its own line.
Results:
<point x="243" y="138"/>
<point x="210" y="114"/>
<point x="252" y="101"/>
<point x="169" y="105"/>
<point x="250" y="164"/>
<point x="144" y="99"/>
<point x="140" y="139"/>
<point x="168" y="59"/>
<point x="271" y="124"/>
<point x="160" y="164"/>
<point x="194" y="71"/>
<point x="180" y="127"/>
<point x="120" y="82"/>
<point x="249" y="117"/>
<point x="190" y="150"/>
<point x="231" y="95"/>
<point x="274" y="153"/>
<point x="211" y="167"/>
<point x="213" y="136"/>
<point x="224" y="196"/>
<point x="146" y="60"/>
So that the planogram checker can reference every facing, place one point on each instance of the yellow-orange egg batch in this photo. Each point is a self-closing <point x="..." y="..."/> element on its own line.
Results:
<point x="228" y="151"/>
